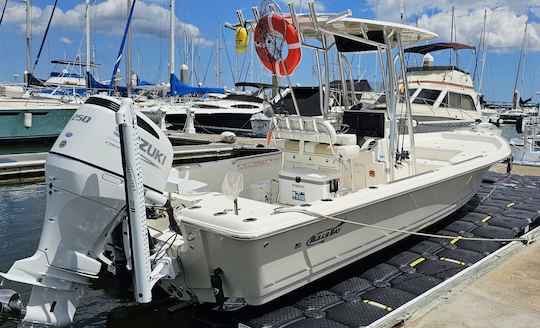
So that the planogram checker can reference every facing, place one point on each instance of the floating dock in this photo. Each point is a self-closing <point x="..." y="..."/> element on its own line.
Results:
<point x="414" y="282"/>
<point x="22" y="168"/>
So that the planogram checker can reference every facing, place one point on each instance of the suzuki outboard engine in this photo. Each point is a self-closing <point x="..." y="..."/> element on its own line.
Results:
<point x="85" y="202"/>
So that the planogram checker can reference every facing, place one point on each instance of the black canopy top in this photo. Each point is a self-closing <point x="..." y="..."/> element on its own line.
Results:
<point x="257" y="85"/>
<point x="438" y="46"/>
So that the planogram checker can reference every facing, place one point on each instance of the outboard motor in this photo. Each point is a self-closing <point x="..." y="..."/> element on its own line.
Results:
<point x="85" y="202"/>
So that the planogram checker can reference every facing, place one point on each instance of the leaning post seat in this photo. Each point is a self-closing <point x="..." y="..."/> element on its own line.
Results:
<point x="314" y="130"/>
<point x="313" y="142"/>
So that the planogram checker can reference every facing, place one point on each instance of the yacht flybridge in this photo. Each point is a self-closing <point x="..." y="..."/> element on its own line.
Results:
<point x="442" y="96"/>
<point x="248" y="230"/>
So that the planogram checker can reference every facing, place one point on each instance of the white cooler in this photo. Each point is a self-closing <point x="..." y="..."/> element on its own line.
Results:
<point x="301" y="185"/>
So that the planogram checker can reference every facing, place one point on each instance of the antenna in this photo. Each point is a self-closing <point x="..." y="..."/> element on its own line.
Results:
<point x="401" y="10"/>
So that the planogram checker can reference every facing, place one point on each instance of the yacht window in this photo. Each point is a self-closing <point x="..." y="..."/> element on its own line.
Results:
<point x="246" y="106"/>
<point x="459" y="101"/>
<point x="427" y="97"/>
<point x="206" y="106"/>
<point x="382" y="99"/>
<point x="467" y="102"/>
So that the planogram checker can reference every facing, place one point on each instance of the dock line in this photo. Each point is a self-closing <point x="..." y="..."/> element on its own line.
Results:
<point x="529" y="239"/>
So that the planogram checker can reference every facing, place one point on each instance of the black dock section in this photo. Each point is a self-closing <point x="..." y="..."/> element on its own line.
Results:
<point x="506" y="206"/>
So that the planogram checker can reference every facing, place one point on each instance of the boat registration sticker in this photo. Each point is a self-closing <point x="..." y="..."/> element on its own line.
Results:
<point x="299" y="196"/>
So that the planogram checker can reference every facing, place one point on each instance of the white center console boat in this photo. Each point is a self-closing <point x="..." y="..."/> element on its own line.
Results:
<point x="326" y="200"/>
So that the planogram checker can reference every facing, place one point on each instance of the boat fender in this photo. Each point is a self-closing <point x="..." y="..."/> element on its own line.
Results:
<point x="242" y="40"/>
<point x="228" y="137"/>
<point x="27" y="120"/>
<point x="217" y="286"/>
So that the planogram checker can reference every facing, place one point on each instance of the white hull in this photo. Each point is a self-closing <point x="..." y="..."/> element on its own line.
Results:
<point x="268" y="266"/>
<point x="274" y="254"/>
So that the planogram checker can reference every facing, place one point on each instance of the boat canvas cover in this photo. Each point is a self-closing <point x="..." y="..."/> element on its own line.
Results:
<point x="307" y="98"/>
<point x="178" y="88"/>
<point x="437" y="47"/>
<point x="348" y="45"/>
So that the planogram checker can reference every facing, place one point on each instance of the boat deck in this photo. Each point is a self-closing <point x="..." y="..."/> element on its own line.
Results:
<point x="399" y="288"/>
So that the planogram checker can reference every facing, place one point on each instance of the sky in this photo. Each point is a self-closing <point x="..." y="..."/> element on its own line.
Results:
<point x="200" y="22"/>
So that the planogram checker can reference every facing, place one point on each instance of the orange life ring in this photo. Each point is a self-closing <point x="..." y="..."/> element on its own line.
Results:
<point x="276" y="23"/>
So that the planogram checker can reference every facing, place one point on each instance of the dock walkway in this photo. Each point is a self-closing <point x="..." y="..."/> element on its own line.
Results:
<point x="506" y="296"/>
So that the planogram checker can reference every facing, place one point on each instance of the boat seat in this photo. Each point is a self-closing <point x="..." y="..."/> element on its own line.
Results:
<point x="343" y="151"/>
<point x="313" y="129"/>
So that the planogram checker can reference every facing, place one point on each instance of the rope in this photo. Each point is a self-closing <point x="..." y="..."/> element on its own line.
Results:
<point x="495" y="187"/>
<point x="527" y="240"/>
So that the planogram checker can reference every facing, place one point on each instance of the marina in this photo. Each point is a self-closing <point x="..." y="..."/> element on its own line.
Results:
<point x="313" y="195"/>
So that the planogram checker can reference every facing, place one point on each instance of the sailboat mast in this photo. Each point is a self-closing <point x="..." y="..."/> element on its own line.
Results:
<point x="3" y="12"/>
<point x="218" y="58"/>
<point x="128" y="53"/>
<point x="521" y="55"/>
<point x="45" y="36"/>
<point x="484" y="55"/>
<point x="401" y="10"/>
<point x="171" y="38"/>
<point x="28" y="38"/>
<point x="87" y="25"/>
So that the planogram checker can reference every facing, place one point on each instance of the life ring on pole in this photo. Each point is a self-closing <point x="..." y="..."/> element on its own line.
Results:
<point x="273" y="23"/>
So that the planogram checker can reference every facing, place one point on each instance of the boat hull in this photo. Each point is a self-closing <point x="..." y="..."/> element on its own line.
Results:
<point x="46" y="123"/>
<point x="270" y="266"/>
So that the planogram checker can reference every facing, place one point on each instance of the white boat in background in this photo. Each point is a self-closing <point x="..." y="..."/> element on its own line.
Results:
<point x="325" y="201"/>
<point x="443" y="98"/>
<point x="216" y="113"/>
<point x="526" y="149"/>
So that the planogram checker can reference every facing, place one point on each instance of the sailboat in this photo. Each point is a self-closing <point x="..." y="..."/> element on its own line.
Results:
<point x="27" y="115"/>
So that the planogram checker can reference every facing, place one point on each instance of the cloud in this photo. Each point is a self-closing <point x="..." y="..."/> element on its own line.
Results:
<point x="65" y="40"/>
<point x="150" y="17"/>
<point x="505" y="20"/>
<point x="301" y="6"/>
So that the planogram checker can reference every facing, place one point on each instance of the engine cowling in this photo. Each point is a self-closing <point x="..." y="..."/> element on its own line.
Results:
<point x="85" y="202"/>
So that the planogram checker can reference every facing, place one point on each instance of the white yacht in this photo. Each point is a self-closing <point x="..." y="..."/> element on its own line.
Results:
<point x="442" y="97"/>
<point x="326" y="200"/>
<point x="526" y="149"/>
<point x="215" y="113"/>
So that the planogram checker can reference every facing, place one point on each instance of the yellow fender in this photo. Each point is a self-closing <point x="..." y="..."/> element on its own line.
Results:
<point x="242" y="40"/>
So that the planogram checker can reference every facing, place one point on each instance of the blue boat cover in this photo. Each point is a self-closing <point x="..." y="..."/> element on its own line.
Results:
<point x="93" y="84"/>
<point x="178" y="88"/>
<point x="143" y="82"/>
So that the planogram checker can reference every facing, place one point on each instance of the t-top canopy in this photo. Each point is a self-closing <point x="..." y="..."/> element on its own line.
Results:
<point x="371" y="30"/>
<point x="437" y="47"/>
